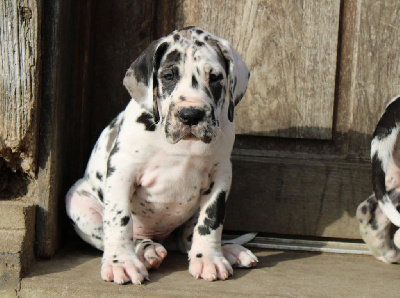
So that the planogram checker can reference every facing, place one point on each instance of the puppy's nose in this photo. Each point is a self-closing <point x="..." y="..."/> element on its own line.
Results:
<point x="191" y="116"/>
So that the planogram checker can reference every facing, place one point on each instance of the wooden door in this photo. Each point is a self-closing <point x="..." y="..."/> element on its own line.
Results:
<point x="321" y="73"/>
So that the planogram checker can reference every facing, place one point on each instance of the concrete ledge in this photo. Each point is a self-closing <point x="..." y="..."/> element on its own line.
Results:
<point x="76" y="273"/>
<point x="17" y="234"/>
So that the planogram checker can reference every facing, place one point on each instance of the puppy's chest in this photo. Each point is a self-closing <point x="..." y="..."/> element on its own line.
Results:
<point x="168" y="193"/>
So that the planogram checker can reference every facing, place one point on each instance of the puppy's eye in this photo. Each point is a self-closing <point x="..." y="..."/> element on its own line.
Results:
<point x="215" y="77"/>
<point x="168" y="75"/>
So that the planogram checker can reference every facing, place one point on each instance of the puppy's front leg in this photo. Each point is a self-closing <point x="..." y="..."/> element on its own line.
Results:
<point x="120" y="262"/>
<point x="206" y="258"/>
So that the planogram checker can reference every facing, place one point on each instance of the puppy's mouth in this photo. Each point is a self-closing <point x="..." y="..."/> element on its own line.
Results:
<point x="190" y="134"/>
<point x="190" y="137"/>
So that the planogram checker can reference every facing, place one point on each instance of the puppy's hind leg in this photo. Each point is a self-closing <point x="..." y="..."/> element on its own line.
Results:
<point x="375" y="231"/>
<point x="86" y="213"/>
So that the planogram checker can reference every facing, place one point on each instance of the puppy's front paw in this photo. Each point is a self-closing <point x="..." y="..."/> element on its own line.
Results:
<point x="239" y="256"/>
<point x="150" y="253"/>
<point x="209" y="266"/>
<point x="123" y="268"/>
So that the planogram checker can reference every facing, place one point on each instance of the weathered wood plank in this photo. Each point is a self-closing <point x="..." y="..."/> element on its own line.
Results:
<point x="291" y="50"/>
<point x="369" y="68"/>
<point x="297" y="196"/>
<point x="19" y="86"/>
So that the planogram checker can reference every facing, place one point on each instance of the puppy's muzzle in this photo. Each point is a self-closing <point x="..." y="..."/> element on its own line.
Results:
<point x="191" y="116"/>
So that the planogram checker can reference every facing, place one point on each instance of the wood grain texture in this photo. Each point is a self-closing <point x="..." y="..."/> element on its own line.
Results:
<point x="19" y="85"/>
<point x="369" y="68"/>
<point x="290" y="196"/>
<point x="291" y="50"/>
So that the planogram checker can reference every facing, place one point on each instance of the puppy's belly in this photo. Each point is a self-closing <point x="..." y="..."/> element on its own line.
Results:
<point x="157" y="221"/>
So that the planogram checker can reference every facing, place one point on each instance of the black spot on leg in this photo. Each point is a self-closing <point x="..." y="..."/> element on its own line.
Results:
<point x="216" y="212"/>
<point x="203" y="230"/>
<point x="124" y="221"/>
<point x="199" y="32"/>
<point x="200" y="255"/>
<point x="215" y="215"/>
<point x="147" y="120"/>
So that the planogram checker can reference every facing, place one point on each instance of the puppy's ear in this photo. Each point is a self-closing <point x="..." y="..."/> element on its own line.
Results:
<point x="141" y="78"/>
<point x="238" y="74"/>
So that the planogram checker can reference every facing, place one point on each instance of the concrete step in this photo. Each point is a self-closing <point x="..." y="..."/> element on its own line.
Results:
<point x="75" y="272"/>
<point x="17" y="235"/>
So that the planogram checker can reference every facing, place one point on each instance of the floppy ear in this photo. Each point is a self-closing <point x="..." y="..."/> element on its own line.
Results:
<point x="141" y="78"/>
<point x="238" y="74"/>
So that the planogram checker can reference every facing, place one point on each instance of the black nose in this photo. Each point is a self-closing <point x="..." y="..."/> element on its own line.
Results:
<point x="191" y="116"/>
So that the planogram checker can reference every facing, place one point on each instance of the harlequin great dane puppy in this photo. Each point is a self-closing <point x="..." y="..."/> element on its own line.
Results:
<point x="378" y="212"/>
<point x="164" y="162"/>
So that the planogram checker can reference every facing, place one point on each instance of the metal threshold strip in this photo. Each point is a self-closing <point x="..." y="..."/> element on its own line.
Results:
<point x="306" y="245"/>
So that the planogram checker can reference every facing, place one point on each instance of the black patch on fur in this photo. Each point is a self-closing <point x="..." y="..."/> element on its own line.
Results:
<point x="169" y="77"/>
<point x="215" y="215"/>
<point x="124" y="221"/>
<point x="199" y="32"/>
<point x="388" y="121"/>
<point x="203" y="230"/>
<point x="177" y="37"/>
<point x="378" y="177"/>
<point x="173" y="57"/>
<point x="147" y="120"/>
<point x="100" y="194"/>
<point x="199" y="43"/>
<point x="216" y="212"/>
<point x="200" y="255"/>
<point x="215" y="84"/>
<point x="99" y="176"/>
<point x="195" y="84"/>
<point x="364" y="209"/>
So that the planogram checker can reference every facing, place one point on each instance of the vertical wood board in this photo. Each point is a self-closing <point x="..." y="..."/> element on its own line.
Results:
<point x="19" y="84"/>
<point x="290" y="48"/>
<point x="369" y="69"/>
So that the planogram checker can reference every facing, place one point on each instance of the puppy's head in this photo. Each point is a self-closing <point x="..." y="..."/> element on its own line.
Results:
<point x="189" y="81"/>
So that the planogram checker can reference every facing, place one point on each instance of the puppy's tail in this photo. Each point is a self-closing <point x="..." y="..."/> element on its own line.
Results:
<point x="389" y="210"/>
<point x="241" y="239"/>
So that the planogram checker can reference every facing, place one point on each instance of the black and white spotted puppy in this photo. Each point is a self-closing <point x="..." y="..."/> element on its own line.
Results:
<point x="380" y="211"/>
<point x="164" y="162"/>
